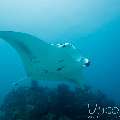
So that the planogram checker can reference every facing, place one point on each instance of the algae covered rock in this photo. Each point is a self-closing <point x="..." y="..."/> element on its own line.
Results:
<point x="60" y="103"/>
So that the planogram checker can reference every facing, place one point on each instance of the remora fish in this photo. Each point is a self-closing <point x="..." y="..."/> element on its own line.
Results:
<point x="43" y="61"/>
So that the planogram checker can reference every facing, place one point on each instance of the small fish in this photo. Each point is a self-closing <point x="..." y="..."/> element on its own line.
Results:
<point x="60" y="68"/>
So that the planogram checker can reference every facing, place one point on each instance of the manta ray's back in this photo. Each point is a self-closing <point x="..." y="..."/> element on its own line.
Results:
<point x="44" y="61"/>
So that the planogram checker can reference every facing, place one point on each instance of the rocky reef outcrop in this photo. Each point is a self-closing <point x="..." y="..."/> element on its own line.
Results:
<point x="60" y="103"/>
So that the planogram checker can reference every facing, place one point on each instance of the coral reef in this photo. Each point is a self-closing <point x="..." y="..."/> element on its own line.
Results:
<point x="60" y="103"/>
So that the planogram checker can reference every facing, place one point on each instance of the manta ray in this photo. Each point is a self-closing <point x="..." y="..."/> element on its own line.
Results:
<point x="45" y="61"/>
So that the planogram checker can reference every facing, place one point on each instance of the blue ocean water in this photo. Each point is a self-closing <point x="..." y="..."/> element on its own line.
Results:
<point x="92" y="26"/>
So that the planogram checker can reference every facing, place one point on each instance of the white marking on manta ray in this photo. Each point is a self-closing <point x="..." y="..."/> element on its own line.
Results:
<point x="43" y="61"/>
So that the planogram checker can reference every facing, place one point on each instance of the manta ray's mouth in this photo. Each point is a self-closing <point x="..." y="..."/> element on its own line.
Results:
<point x="86" y="62"/>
